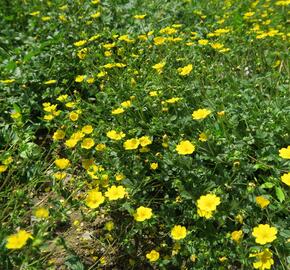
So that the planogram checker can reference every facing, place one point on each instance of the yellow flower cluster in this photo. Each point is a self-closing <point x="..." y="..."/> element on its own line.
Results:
<point x="133" y="143"/>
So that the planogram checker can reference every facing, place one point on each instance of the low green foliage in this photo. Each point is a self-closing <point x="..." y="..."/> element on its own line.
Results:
<point x="144" y="134"/>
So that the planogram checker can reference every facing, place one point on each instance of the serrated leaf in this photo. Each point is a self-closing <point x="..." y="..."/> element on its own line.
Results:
<point x="280" y="194"/>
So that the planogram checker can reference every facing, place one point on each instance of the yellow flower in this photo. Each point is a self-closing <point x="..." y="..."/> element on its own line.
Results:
<point x="50" y="82"/>
<point x="264" y="259"/>
<point x="178" y="232"/>
<point x="48" y="117"/>
<point x="82" y="53"/>
<point x="262" y="201"/>
<point x="202" y="137"/>
<point x="222" y="259"/>
<point x="237" y="235"/>
<point x="96" y="15"/>
<point x="109" y="226"/>
<point x="217" y="46"/>
<point x="88" y="129"/>
<point x="17" y="240"/>
<point x="248" y="15"/>
<point x="145" y="140"/>
<point x="73" y="116"/>
<point x="50" y="108"/>
<point x="153" y="255"/>
<point x="94" y="199"/>
<point x="69" y="104"/>
<point x="15" y="115"/>
<point x="120" y="65"/>
<point x="93" y="169"/>
<point x="77" y="135"/>
<point x="3" y="168"/>
<point x="115" y="192"/>
<point x="35" y="13"/>
<point x="154" y="166"/>
<point x="173" y="100"/>
<point x="207" y="204"/>
<point x="41" y="212"/>
<point x="59" y="175"/>
<point x="118" y="111"/>
<point x="185" y="148"/>
<point x="203" y="42"/>
<point x="203" y="213"/>
<point x="108" y="53"/>
<point x="8" y="81"/>
<point x="71" y="143"/>
<point x="131" y="144"/>
<point x="159" y="67"/>
<point x="126" y="104"/>
<point x="62" y="163"/>
<point x="239" y="218"/>
<point x="221" y="113"/>
<point x="79" y="78"/>
<point x="90" y="80"/>
<point x="264" y="234"/>
<point x="101" y="74"/>
<point x="168" y="30"/>
<point x="120" y="177"/>
<point x="80" y="43"/>
<point x="87" y="143"/>
<point x="114" y="135"/>
<point x="143" y="37"/>
<point x="139" y="16"/>
<point x="46" y="104"/>
<point x="285" y="152"/>
<point x="286" y="178"/>
<point x="100" y="147"/>
<point x="282" y="3"/>
<point x="7" y="161"/>
<point x="62" y="17"/>
<point x="58" y="135"/>
<point x="185" y="70"/>
<point x="193" y="257"/>
<point x="125" y="38"/>
<point x="143" y="213"/>
<point x="153" y="93"/>
<point x="223" y="50"/>
<point x="200" y="114"/>
<point x="221" y="31"/>
<point x="159" y="40"/>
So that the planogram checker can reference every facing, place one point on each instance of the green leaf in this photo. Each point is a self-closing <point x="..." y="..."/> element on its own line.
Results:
<point x="280" y="194"/>
<point x="16" y="108"/>
<point x="285" y="233"/>
<point x="267" y="185"/>
<point x="74" y="263"/>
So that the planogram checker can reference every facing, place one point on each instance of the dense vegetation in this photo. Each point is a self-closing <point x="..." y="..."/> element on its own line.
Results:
<point x="144" y="134"/>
